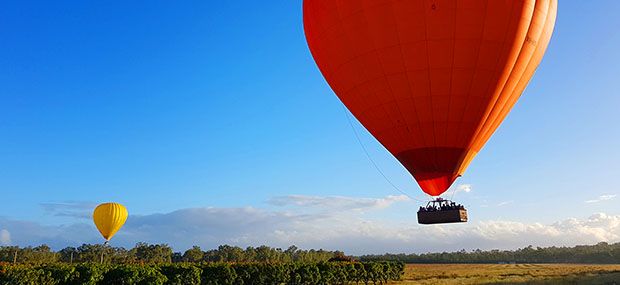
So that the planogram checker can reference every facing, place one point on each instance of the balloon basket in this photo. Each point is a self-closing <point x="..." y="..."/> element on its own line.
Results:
<point x="442" y="211"/>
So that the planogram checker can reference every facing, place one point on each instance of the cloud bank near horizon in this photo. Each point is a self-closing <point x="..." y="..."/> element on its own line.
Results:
<point x="602" y="198"/>
<point x="334" y="223"/>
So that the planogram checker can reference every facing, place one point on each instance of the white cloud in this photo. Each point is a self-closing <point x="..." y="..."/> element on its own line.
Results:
<point x="337" y="203"/>
<point x="302" y="221"/>
<point x="74" y="209"/>
<point x="464" y="188"/>
<point x="504" y="203"/>
<point x="32" y="233"/>
<point x="5" y="237"/>
<point x="602" y="198"/>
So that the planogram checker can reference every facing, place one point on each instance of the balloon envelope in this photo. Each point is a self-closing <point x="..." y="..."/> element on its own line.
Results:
<point x="109" y="218"/>
<point x="431" y="80"/>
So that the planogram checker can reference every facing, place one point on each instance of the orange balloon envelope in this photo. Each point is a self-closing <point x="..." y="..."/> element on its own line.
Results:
<point x="431" y="80"/>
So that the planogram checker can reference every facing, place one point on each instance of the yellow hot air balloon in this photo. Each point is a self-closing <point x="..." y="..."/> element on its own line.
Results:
<point x="109" y="218"/>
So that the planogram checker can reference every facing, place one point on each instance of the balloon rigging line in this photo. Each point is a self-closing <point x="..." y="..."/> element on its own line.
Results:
<point x="453" y="192"/>
<point x="359" y="140"/>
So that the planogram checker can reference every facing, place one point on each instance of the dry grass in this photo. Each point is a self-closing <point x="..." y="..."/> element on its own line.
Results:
<point x="511" y="274"/>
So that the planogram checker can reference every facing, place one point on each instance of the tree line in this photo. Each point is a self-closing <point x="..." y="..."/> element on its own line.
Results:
<point x="602" y="253"/>
<point x="162" y="253"/>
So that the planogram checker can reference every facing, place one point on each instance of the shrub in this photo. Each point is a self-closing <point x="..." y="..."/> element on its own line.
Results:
<point x="207" y="273"/>
<point x="60" y="273"/>
<point x="26" y="275"/>
<point x="134" y="275"/>
<point x="182" y="274"/>
<point x="88" y="273"/>
<point x="218" y="274"/>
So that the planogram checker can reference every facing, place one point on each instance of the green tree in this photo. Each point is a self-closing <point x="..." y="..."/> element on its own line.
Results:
<point x="194" y="254"/>
<point x="94" y="253"/>
<point x="154" y="253"/>
<point x="68" y="254"/>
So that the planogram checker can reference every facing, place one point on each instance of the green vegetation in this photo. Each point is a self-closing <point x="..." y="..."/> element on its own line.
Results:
<point x="159" y="264"/>
<point x="601" y="253"/>
<point x="203" y="273"/>
<point x="162" y="253"/>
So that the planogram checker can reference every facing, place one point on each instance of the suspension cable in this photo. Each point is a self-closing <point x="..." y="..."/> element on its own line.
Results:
<point x="359" y="140"/>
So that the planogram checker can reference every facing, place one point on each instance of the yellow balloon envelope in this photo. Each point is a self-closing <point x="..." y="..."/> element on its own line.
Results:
<point x="109" y="218"/>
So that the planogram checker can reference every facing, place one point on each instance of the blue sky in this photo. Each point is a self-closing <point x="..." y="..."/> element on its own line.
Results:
<point x="211" y="107"/>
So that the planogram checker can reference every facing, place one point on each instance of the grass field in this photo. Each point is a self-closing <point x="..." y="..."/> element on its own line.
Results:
<point x="510" y="274"/>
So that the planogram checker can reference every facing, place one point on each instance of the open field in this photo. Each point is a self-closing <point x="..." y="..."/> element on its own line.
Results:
<point x="511" y="274"/>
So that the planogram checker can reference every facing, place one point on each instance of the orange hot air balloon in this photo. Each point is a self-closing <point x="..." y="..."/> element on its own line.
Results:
<point x="431" y="80"/>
